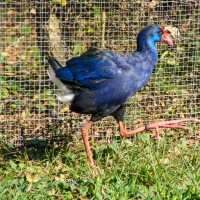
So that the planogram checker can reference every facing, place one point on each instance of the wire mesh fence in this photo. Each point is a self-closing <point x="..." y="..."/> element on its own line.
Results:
<point x="30" y="30"/>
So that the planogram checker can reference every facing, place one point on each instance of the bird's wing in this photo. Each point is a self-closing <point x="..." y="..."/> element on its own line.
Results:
<point x="92" y="68"/>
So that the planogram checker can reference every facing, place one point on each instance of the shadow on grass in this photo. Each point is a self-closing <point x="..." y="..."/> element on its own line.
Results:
<point x="35" y="149"/>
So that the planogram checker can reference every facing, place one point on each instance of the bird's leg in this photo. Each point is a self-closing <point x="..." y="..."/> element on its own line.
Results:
<point x="86" y="142"/>
<point x="156" y="126"/>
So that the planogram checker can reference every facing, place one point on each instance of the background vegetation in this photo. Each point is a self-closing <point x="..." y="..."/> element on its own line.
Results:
<point x="31" y="115"/>
<point x="32" y="30"/>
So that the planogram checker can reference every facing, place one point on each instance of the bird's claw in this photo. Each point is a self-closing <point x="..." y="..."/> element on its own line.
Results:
<point x="168" y="124"/>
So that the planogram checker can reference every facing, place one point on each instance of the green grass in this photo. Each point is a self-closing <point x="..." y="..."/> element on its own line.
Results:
<point x="128" y="169"/>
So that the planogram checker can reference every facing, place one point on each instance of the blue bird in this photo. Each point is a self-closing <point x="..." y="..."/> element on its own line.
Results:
<point x="99" y="82"/>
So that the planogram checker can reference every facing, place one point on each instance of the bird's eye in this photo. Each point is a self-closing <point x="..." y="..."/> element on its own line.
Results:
<point x="160" y="32"/>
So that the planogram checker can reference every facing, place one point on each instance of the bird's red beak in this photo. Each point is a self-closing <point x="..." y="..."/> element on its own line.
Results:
<point x="166" y="38"/>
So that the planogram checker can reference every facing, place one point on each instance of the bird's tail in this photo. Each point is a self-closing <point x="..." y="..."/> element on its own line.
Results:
<point x="54" y="64"/>
<point x="65" y="94"/>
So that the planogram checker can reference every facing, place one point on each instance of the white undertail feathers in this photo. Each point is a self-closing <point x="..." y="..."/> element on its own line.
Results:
<point x="65" y="95"/>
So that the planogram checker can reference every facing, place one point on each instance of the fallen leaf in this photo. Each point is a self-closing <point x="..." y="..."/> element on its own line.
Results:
<point x="177" y="151"/>
<point x="61" y="177"/>
<point x="63" y="2"/>
<point x="164" y="161"/>
<point x="33" y="11"/>
<point x="51" y="192"/>
<point x="153" y="4"/>
<point x="32" y="179"/>
<point x="174" y="31"/>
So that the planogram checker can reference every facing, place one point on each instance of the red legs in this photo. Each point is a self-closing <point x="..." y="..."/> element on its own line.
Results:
<point x="124" y="133"/>
<point x="156" y="126"/>
<point x="86" y="142"/>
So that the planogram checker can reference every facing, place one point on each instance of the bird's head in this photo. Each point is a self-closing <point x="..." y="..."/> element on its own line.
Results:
<point x="163" y="35"/>
<point x="154" y="33"/>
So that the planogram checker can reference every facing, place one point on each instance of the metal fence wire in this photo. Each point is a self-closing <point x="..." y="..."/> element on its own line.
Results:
<point x="30" y="30"/>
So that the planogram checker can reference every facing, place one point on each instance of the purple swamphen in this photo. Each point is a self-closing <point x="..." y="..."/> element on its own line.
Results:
<point x="100" y="82"/>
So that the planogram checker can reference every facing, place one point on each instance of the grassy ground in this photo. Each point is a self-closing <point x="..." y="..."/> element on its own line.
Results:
<point x="128" y="169"/>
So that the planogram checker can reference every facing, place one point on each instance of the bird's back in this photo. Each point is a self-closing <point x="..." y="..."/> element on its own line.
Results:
<point x="103" y="80"/>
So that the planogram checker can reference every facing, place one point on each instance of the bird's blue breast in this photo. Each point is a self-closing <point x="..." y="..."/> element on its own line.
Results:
<point x="132" y="79"/>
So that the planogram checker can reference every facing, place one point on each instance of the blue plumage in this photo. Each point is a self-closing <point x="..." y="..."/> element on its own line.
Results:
<point x="102" y="81"/>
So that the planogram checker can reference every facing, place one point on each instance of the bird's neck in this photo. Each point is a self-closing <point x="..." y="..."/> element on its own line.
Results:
<point x="147" y="46"/>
